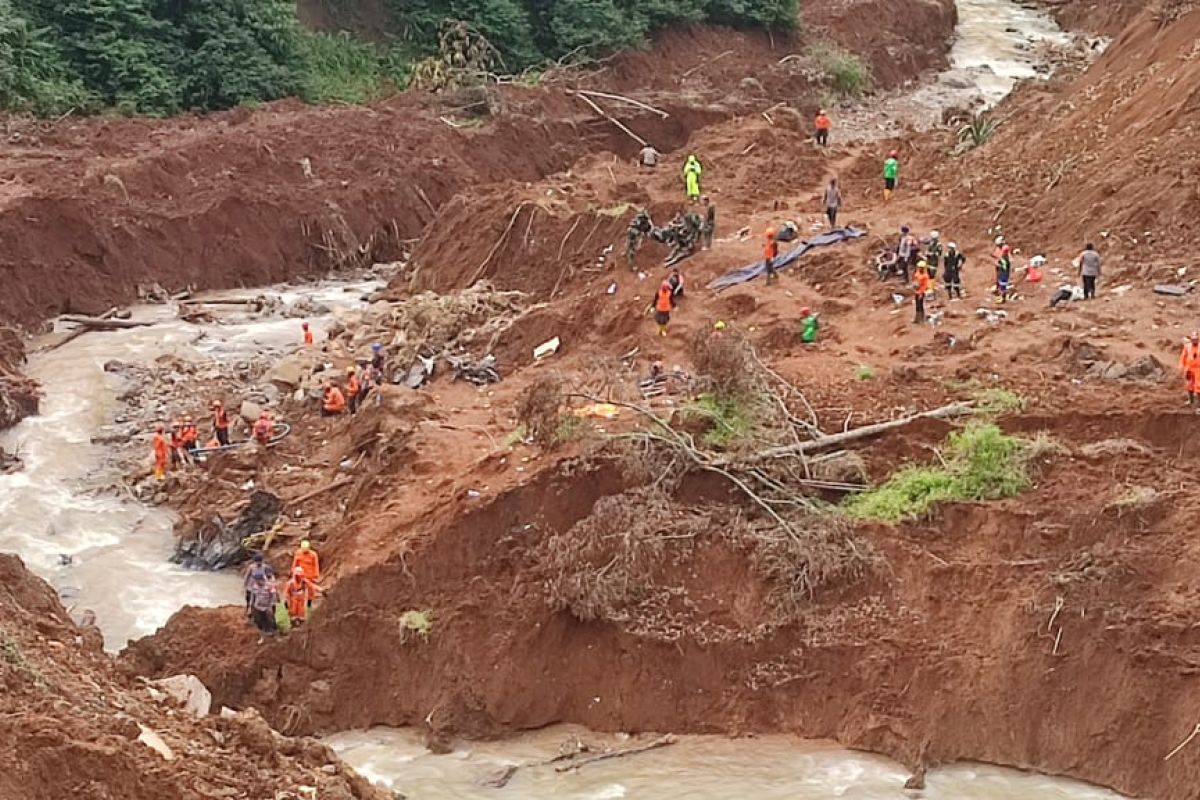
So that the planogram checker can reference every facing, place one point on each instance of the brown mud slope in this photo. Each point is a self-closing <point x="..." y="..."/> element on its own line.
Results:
<point x="1107" y="157"/>
<point x="91" y="209"/>
<point x="1052" y="631"/>
<point x="69" y="723"/>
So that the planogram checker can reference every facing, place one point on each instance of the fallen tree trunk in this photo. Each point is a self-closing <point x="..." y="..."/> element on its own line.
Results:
<point x="610" y="118"/>
<point x="222" y="301"/>
<point x="103" y="323"/>
<point x="662" y="741"/>
<point x="623" y="99"/>
<point x="854" y="435"/>
<point x="75" y="334"/>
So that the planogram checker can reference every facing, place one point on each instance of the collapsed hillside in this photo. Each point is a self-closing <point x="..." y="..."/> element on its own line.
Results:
<point x="1081" y="582"/>
<point x="72" y="726"/>
<point x="1106" y="156"/>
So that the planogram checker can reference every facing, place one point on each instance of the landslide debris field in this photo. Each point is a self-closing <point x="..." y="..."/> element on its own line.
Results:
<point x="969" y="539"/>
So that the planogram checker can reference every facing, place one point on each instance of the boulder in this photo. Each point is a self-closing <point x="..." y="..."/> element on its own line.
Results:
<point x="289" y="373"/>
<point x="188" y="691"/>
<point x="250" y="412"/>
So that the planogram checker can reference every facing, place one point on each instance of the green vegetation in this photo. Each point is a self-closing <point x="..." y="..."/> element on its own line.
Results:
<point x="731" y="420"/>
<point x="166" y="56"/>
<point x="975" y="133"/>
<point x="845" y="72"/>
<point x="980" y="463"/>
<point x="416" y="622"/>
<point x="864" y="372"/>
<point x="997" y="400"/>
<point x="570" y="427"/>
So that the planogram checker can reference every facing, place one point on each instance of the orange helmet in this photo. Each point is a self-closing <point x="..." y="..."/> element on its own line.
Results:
<point x="894" y="154"/>
<point x="770" y="233"/>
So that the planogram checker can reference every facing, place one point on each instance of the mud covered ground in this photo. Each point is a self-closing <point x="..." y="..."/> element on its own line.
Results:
<point x="1049" y="631"/>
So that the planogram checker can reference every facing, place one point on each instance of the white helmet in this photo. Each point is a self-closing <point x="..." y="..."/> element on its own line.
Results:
<point x="934" y="234"/>
<point x="999" y="241"/>
<point x="951" y="246"/>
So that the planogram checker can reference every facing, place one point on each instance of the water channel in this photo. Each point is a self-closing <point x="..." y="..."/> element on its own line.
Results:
<point x="106" y="552"/>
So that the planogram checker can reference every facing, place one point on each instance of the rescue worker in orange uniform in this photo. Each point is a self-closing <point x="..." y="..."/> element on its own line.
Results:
<point x="189" y="434"/>
<point x="353" y="389"/>
<point x="923" y="282"/>
<point x="1189" y="365"/>
<point x="664" y="301"/>
<point x="220" y="422"/>
<point x="334" y="402"/>
<point x="308" y="334"/>
<point x="162" y="451"/>
<point x="263" y="428"/>
<point x="822" y="125"/>
<point x="177" y="453"/>
<point x="308" y="559"/>
<point x="770" y="253"/>
<point x="299" y="592"/>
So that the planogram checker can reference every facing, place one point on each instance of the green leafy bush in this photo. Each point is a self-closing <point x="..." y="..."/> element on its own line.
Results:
<point x="981" y="463"/>
<point x="845" y="72"/>
<point x="730" y="419"/>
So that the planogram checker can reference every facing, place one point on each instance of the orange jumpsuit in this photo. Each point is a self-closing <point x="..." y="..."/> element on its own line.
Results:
<point x="1189" y="365"/>
<point x="299" y="592"/>
<point x="308" y="336"/>
<point x="162" y="452"/>
<point x="309" y="561"/>
<point x="335" y="401"/>
<point x="262" y="430"/>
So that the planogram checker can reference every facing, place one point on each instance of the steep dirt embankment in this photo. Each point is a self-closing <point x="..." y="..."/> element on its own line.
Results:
<point x="91" y="209"/>
<point x="1050" y="632"/>
<point x="69" y="723"/>
<point x="1108" y="156"/>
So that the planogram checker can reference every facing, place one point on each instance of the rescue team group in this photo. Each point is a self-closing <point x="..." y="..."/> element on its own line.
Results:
<point x="182" y="444"/>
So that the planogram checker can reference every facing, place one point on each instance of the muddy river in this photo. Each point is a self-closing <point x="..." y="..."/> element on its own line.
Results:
<point x="104" y="551"/>
<point x="100" y="548"/>
<point x="695" y="768"/>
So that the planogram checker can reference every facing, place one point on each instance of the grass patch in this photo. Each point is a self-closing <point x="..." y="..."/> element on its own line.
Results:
<point x="844" y="71"/>
<point x="730" y="419"/>
<point x="515" y="437"/>
<point x="346" y="70"/>
<point x="570" y="427"/>
<point x="416" y="623"/>
<point x="864" y="372"/>
<point x="981" y="462"/>
<point x="997" y="400"/>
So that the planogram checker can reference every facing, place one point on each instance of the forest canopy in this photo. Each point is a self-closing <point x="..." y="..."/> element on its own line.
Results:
<point x="167" y="56"/>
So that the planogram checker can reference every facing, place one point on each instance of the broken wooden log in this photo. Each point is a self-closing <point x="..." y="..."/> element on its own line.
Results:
<point x="610" y="118"/>
<point x="623" y="99"/>
<point x="855" y="434"/>
<point x="103" y="323"/>
<point x="222" y="301"/>
<point x="75" y="334"/>
<point x="576" y="763"/>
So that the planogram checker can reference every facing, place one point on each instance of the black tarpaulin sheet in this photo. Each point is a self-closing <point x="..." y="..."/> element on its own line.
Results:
<point x="752" y="271"/>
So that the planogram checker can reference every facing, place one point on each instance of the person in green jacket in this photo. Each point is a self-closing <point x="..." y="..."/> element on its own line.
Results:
<point x="691" y="177"/>
<point x="891" y="173"/>
<point x="808" y="325"/>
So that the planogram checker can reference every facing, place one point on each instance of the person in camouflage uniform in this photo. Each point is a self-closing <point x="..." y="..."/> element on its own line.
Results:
<point x="639" y="227"/>
<point x="710" y="222"/>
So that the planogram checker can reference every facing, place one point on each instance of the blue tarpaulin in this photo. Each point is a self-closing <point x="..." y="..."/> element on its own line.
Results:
<point x="752" y="271"/>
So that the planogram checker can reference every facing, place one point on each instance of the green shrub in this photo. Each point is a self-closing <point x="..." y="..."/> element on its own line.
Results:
<point x="864" y="372"/>
<point x="341" y="68"/>
<point x="976" y="133"/>
<point x="981" y="463"/>
<point x="998" y="400"/>
<point x="844" y="71"/>
<point x="731" y="420"/>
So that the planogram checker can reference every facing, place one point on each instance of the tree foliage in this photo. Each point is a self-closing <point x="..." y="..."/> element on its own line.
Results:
<point x="166" y="56"/>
